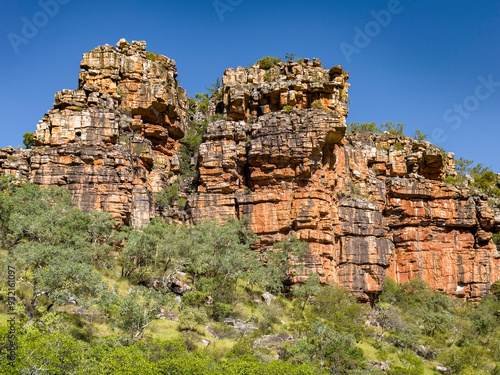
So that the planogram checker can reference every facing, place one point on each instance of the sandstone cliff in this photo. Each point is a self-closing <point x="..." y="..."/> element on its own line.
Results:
<point x="369" y="205"/>
<point x="111" y="141"/>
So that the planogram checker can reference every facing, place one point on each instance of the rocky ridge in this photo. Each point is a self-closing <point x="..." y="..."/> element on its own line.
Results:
<point x="368" y="205"/>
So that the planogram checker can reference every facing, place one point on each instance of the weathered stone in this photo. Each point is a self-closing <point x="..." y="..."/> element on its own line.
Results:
<point x="368" y="205"/>
<point x="110" y="142"/>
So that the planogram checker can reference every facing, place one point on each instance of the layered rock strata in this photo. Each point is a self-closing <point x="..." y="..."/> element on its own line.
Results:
<point x="110" y="142"/>
<point x="368" y="205"/>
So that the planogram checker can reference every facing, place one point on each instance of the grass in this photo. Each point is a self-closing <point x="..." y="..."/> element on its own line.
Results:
<point x="163" y="329"/>
<point x="374" y="355"/>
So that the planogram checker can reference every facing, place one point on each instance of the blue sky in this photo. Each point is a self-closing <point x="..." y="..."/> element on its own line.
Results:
<point x="432" y="65"/>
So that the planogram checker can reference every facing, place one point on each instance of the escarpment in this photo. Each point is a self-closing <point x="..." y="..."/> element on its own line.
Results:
<point x="369" y="205"/>
<point x="111" y="142"/>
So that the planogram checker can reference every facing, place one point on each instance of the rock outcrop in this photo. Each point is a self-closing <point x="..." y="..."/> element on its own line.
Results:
<point x="111" y="141"/>
<point x="368" y="205"/>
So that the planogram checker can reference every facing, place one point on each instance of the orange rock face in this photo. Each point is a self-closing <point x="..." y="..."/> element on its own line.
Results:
<point x="370" y="206"/>
<point x="110" y="142"/>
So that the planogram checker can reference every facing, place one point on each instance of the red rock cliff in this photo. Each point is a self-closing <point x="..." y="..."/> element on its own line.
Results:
<point x="369" y="205"/>
<point x="111" y="141"/>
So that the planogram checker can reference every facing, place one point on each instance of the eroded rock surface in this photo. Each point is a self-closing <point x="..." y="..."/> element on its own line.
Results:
<point x="368" y="205"/>
<point x="111" y="141"/>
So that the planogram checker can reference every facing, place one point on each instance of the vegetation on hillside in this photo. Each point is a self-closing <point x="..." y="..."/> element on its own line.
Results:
<point x="389" y="127"/>
<point x="94" y="299"/>
<point x="478" y="178"/>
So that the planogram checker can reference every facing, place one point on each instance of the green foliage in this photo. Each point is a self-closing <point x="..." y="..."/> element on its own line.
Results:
<point x="268" y="62"/>
<point x="151" y="56"/>
<point x="419" y="136"/>
<point x="269" y="77"/>
<point x="29" y="140"/>
<point x="483" y="180"/>
<point x="495" y="289"/>
<point x="394" y="129"/>
<point x="398" y="146"/>
<point x="288" y="108"/>
<point x="138" y="310"/>
<point x="390" y="127"/>
<point x="62" y="256"/>
<point x="317" y="104"/>
<point x="200" y="102"/>
<point x="496" y="238"/>
<point x="139" y="149"/>
<point x="53" y="246"/>
<point x="215" y="90"/>
<point x="308" y="289"/>
<point x="168" y="196"/>
<point x="190" y="145"/>
<point x="365" y="126"/>
<point x="290" y="56"/>
<point x="279" y="261"/>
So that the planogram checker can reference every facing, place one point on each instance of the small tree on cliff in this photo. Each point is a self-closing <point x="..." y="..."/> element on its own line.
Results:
<point x="29" y="140"/>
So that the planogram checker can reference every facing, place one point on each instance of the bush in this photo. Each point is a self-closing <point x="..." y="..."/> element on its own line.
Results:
<point x="151" y="56"/>
<point x="317" y="104"/>
<point x="29" y="140"/>
<point x="394" y="129"/>
<point x="268" y="62"/>
<point x="168" y="196"/>
<point x="364" y="126"/>
<point x="419" y="136"/>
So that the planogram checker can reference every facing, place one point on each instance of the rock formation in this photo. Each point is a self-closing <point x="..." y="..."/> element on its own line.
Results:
<point x="111" y="141"/>
<point x="368" y="205"/>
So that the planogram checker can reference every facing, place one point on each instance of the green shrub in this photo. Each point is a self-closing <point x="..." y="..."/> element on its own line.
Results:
<point x="496" y="238"/>
<point x="364" y="126"/>
<point x="191" y="317"/>
<point x="317" y="104"/>
<point x="288" y="108"/>
<point x="398" y="146"/>
<point x="419" y="136"/>
<point x="168" y="196"/>
<point x="29" y="140"/>
<point x="151" y="56"/>
<point x="394" y="129"/>
<point x="268" y="62"/>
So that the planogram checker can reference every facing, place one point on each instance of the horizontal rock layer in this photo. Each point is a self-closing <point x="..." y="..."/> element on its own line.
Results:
<point x="368" y="205"/>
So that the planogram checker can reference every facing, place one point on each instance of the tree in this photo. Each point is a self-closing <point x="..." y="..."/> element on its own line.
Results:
<point x="308" y="289"/>
<point x="364" y="126"/>
<point x="419" y="136"/>
<point x="279" y="259"/>
<point x="53" y="246"/>
<point x="394" y="129"/>
<point x="138" y="310"/>
<point x="29" y="140"/>
<point x="268" y="62"/>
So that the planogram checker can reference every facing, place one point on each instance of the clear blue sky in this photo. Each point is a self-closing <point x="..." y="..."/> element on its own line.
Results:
<point x="433" y="65"/>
